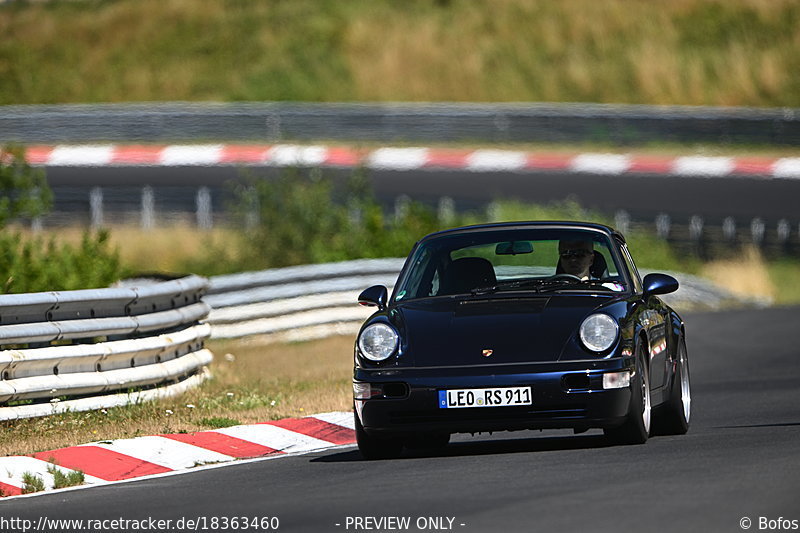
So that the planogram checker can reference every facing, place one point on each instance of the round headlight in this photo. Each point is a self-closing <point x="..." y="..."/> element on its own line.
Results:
<point x="377" y="342"/>
<point x="598" y="332"/>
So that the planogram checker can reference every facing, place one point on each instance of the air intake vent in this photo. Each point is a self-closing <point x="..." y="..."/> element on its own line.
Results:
<point x="575" y="381"/>
<point x="395" y="390"/>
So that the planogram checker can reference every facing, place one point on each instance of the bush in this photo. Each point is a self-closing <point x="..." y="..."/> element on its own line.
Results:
<point x="301" y="218"/>
<point x="34" y="265"/>
<point x="23" y="190"/>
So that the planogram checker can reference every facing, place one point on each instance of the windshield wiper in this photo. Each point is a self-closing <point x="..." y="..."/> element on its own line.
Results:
<point x="553" y="284"/>
<point x="514" y="284"/>
<point x="542" y="284"/>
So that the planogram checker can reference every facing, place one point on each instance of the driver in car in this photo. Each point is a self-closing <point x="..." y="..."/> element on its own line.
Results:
<point x="576" y="258"/>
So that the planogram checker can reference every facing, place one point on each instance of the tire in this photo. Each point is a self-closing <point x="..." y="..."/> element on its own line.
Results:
<point x="430" y="442"/>
<point x="674" y="416"/>
<point x="636" y="428"/>
<point x="376" y="447"/>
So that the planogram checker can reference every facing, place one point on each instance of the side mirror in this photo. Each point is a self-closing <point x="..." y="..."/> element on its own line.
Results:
<point x="375" y="295"/>
<point x="659" y="284"/>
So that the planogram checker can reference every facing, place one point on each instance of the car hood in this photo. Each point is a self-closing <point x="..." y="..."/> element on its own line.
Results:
<point x="453" y="332"/>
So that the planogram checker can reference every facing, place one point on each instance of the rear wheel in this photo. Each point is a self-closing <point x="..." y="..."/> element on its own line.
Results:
<point x="673" y="418"/>
<point x="636" y="428"/>
<point x="376" y="447"/>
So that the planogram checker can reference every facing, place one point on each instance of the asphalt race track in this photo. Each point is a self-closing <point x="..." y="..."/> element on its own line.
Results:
<point x="741" y="458"/>
<point x="643" y="196"/>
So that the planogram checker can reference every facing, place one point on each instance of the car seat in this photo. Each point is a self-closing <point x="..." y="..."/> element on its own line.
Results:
<point x="466" y="274"/>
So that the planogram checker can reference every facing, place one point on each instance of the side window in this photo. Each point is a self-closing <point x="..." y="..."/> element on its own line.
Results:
<point x="414" y="284"/>
<point x="611" y="266"/>
<point x="435" y="284"/>
<point x="637" y="281"/>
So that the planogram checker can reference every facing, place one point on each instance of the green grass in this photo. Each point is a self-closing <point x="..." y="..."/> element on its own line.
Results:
<point x="251" y="383"/>
<point x="31" y="483"/>
<point x="219" y="422"/>
<point x="712" y="52"/>
<point x="785" y="275"/>
<point x="62" y="480"/>
<point x="34" y="483"/>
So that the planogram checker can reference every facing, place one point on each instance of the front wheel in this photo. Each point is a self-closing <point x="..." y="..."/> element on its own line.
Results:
<point x="636" y="428"/>
<point x="673" y="418"/>
<point x="376" y="447"/>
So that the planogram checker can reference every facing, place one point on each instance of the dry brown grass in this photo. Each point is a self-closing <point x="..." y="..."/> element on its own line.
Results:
<point x="259" y="383"/>
<point x="168" y="248"/>
<point x="746" y="276"/>
<point x="613" y="51"/>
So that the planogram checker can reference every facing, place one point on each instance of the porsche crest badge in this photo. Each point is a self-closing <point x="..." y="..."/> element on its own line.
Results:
<point x="487" y="353"/>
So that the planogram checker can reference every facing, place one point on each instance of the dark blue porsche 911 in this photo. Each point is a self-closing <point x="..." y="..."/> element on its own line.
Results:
<point x="512" y="326"/>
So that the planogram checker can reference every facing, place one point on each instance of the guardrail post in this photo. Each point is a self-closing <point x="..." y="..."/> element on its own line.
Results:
<point x="148" y="208"/>
<point x="96" y="207"/>
<point x="250" y="201"/>
<point x="203" y="202"/>
<point x="729" y="230"/>
<point x="493" y="211"/>
<point x="446" y="211"/>
<point x="401" y="204"/>
<point x="696" y="234"/>
<point x="663" y="223"/>
<point x="757" y="230"/>
<point x="622" y="221"/>
<point x="355" y="216"/>
<point x="784" y="232"/>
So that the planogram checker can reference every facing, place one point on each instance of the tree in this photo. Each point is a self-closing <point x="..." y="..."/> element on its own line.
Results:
<point x="23" y="189"/>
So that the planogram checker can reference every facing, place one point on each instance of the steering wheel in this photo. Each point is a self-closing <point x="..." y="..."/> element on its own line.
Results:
<point x="564" y="276"/>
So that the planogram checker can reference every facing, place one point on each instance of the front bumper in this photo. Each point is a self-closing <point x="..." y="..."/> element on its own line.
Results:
<point x="564" y="395"/>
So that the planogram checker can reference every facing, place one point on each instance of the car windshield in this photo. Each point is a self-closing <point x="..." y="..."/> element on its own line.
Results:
<point x="505" y="260"/>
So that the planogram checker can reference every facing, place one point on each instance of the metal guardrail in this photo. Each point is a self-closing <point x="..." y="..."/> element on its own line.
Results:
<point x="390" y="122"/>
<point x="88" y="349"/>
<point x="296" y="303"/>
<point x="308" y="302"/>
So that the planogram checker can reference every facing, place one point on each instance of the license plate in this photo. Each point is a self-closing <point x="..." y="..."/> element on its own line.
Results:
<point x="496" y="397"/>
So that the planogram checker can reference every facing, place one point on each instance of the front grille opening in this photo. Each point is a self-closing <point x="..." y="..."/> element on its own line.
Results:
<point x="575" y="381"/>
<point x="395" y="390"/>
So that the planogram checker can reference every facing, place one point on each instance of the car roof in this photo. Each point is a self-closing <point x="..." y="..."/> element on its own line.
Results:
<point x="549" y="224"/>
